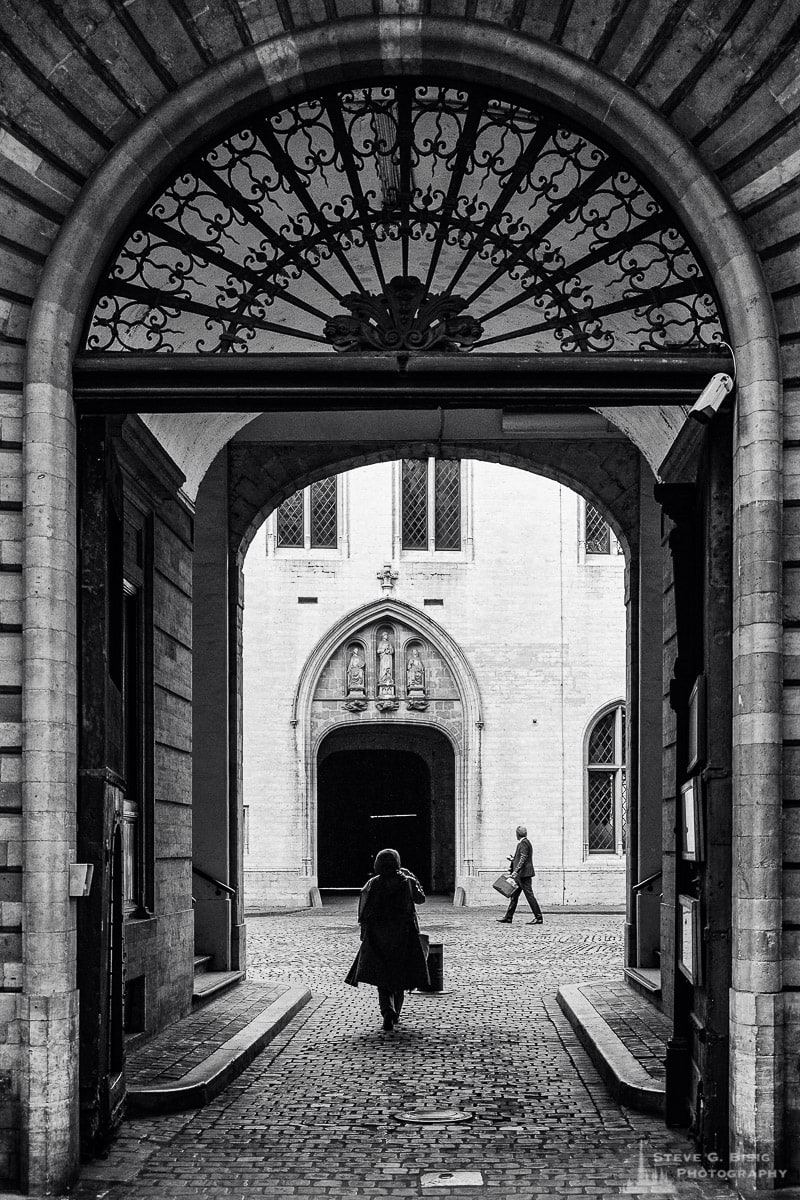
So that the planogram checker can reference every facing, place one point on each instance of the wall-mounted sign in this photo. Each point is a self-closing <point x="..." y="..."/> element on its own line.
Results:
<point x="689" y="956"/>
<point x="696" y="755"/>
<point x="691" y="818"/>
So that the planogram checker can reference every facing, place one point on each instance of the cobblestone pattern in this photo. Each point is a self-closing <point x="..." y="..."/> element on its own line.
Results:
<point x="643" y="1028"/>
<point x="315" y="1115"/>
<point x="172" y="1053"/>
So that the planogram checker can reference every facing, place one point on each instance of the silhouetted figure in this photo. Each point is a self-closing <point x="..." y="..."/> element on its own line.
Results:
<point x="391" y="957"/>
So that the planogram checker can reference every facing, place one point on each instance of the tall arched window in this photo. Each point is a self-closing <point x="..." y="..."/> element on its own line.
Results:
<point x="606" y="784"/>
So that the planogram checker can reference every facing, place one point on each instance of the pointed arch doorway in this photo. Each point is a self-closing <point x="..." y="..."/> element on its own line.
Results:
<point x="378" y="787"/>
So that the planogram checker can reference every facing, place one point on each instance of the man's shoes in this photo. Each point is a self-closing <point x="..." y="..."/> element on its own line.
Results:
<point x="388" y="1023"/>
<point x="537" y="921"/>
<point x="504" y="920"/>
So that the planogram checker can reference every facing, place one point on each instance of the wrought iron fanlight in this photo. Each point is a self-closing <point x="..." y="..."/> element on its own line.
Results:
<point x="405" y="216"/>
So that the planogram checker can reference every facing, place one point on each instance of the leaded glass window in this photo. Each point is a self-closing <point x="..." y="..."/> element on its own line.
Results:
<point x="606" y="784"/>
<point x="309" y="520"/>
<point x="431" y="504"/>
<point x="323" y="513"/>
<point x="415" y="504"/>
<point x="290" y="521"/>
<point x="447" y="490"/>
<point x="598" y="533"/>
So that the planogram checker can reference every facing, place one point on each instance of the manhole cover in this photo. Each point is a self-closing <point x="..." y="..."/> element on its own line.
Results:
<point x="437" y="1179"/>
<point x="433" y="1116"/>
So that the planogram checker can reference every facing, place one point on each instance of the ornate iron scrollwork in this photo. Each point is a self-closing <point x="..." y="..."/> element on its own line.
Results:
<point x="439" y="218"/>
<point x="405" y="317"/>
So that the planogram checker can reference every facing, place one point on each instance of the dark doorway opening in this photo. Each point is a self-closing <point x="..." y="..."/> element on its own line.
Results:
<point x="386" y="787"/>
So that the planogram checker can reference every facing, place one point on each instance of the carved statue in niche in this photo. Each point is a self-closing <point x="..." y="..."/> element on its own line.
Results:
<point x="386" y="693"/>
<point x="415" y="680"/>
<point x="356" y="680"/>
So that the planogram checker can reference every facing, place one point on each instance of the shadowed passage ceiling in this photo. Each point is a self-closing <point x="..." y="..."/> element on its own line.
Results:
<point x="405" y="217"/>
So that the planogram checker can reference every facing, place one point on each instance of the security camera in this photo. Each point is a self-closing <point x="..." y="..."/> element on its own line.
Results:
<point x="710" y="399"/>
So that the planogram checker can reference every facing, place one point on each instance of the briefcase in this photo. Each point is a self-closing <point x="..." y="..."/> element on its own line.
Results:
<point x="505" y="886"/>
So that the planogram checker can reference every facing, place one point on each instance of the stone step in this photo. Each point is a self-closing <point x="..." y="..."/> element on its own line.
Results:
<point x="212" y="983"/>
<point x="645" y="980"/>
<point x="201" y="963"/>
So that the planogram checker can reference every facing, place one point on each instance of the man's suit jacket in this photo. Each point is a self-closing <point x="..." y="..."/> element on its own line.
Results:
<point x="522" y="863"/>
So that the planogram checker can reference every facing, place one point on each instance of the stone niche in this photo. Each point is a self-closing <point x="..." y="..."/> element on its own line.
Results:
<point x="386" y="671"/>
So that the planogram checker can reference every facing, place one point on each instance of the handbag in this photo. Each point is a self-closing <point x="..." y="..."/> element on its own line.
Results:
<point x="505" y="886"/>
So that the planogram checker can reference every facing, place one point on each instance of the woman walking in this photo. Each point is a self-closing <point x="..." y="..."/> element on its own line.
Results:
<point x="391" y="957"/>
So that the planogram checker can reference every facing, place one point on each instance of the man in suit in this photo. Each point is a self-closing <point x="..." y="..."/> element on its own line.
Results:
<point x="521" y="871"/>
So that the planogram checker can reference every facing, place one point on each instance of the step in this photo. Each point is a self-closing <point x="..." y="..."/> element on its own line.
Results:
<point x="646" y="981"/>
<point x="205" y="1081"/>
<point x="211" y="983"/>
<point x="622" y="1073"/>
<point x="201" y="963"/>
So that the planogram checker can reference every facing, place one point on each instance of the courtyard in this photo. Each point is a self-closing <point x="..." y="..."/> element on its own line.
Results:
<point x="515" y="1108"/>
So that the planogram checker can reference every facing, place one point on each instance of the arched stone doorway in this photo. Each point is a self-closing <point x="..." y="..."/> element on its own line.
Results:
<point x="51" y="547"/>
<point x="379" y="787"/>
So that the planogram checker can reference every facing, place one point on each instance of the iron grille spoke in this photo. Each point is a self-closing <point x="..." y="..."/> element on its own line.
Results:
<point x="405" y="137"/>
<point x="525" y="165"/>
<point x="244" y="210"/>
<point x="193" y="245"/>
<point x="289" y="173"/>
<point x="676" y="292"/>
<point x="561" y="211"/>
<point x="345" y="151"/>
<point x="465" y="149"/>
<point x="605" y="252"/>
<point x="221" y="316"/>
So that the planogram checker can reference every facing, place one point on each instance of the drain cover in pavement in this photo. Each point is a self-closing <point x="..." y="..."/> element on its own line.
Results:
<point x="433" y="1116"/>
<point x="436" y="1179"/>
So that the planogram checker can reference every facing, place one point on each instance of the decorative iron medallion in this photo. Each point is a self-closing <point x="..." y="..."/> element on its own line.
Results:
<point x="405" y="217"/>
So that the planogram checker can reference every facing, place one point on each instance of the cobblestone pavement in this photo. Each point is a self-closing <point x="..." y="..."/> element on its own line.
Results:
<point x="317" y="1113"/>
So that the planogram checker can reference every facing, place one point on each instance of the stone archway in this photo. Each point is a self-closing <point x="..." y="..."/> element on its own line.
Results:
<point x="130" y="175"/>
<point x="322" y="706"/>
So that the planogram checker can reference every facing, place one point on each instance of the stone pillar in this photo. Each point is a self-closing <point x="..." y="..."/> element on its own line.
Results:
<point x="649" y="781"/>
<point x="756" y="999"/>
<point x="49" y="1004"/>
<point x="210" y="719"/>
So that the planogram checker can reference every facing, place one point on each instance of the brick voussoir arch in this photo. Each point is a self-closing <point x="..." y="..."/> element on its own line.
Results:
<point x="289" y="65"/>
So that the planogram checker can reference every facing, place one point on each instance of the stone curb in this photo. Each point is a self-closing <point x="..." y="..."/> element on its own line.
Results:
<point x="624" y="1076"/>
<point x="212" y="1076"/>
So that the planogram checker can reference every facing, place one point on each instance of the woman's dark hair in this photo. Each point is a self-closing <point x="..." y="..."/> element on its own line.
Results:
<point x="387" y="862"/>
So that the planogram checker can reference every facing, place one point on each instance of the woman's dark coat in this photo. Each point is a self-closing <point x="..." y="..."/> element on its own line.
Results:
<point x="391" y="955"/>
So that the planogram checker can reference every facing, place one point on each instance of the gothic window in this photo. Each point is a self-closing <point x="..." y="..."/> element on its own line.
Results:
<point x="310" y="518"/>
<point x="606" y="784"/>
<point x="431" y="504"/>
<point x="598" y="538"/>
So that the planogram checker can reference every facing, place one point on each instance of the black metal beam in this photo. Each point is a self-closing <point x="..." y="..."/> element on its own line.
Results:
<point x="191" y="382"/>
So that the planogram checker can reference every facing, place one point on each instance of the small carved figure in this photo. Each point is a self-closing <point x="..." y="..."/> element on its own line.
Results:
<point x="385" y="663"/>
<point x="355" y="671"/>
<point x="415" y="671"/>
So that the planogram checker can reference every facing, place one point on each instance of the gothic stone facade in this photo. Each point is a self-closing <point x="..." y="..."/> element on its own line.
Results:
<point x="539" y="626"/>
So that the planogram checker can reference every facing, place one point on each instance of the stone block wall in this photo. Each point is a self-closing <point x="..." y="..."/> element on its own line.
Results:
<point x="161" y="949"/>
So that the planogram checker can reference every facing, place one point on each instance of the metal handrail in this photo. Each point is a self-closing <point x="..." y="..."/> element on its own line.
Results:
<point x="637" y="887"/>
<point x="220" y="886"/>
